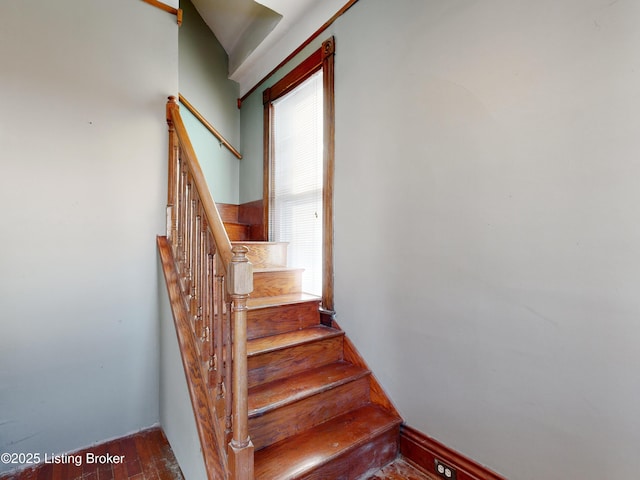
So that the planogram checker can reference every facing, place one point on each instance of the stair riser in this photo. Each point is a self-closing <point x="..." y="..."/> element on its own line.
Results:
<point x="237" y="231"/>
<point x="291" y="419"/>
<point x="267" y="255"/>
<point x="278" y="282"/>
<point x="281" y="319"/>
<point x="270" y="366"/>
<point x="361" y="462"/>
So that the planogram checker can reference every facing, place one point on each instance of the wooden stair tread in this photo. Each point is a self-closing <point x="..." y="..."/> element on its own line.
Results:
<point x="269" y="396"/>
<point x="305" y="452"/>
<point x="276" y="269"/>
<point x="271" y="343"/>
<point x="254" y="303"/>
<point x="256" y="242"/>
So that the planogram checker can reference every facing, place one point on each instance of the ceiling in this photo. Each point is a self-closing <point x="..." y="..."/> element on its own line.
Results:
<point x="257" y="35"/>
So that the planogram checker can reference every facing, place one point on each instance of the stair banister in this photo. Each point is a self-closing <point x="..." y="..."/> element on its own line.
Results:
<point x="205" y="261"/>
<point x="188" y="153"/>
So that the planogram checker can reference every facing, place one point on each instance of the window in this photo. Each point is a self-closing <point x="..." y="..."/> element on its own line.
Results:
<point x="295" y="194"/>
<point x="298" y="164"/>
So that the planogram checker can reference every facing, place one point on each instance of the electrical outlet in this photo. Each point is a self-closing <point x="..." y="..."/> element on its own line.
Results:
<point x="444" y="470"/>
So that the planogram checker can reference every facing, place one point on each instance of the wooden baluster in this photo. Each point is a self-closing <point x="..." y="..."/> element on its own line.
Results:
<point x="172" y="186"/>
<point x="203" y="279"/>
<point x="176" y="212"/>
<point x="195" y="268"/>
<point x="210" y="302"/>
<point x="182" y="198"/>
<point x="187" y="237"/>
<point x="205" y="292"/>
<point x="228" y="361"/>
<point x="223" y="388"/>
<point x="218" y="336"/>
<point x="210" y="298"/>
<point x="239" y="286"/>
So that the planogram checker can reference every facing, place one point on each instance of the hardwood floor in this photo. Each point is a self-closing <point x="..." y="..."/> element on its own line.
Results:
<point x="401" y="470"/>
<point x="143" y="456"/>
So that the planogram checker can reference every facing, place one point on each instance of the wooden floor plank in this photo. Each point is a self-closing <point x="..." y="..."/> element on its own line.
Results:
<point x="162" y="455"/>
<point x="60" y="472"/>
<point x="45" y="472"/>
<point x="132" y="460"/>
<point x="147" y="456"/>
<point x="119" y="469"/>
<point x="401" y="470"/>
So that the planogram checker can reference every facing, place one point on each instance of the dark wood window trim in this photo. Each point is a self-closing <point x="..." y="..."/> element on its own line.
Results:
<point x="323" y="58"/>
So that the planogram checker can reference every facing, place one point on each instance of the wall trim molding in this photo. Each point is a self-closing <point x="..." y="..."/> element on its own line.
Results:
<point x="421" y="450"/>
<point x="311" y="38"/>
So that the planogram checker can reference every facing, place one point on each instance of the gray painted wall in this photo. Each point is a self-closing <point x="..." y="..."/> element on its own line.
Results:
<point x="486" y="239"/>
<point x="204" y="83"/>
<point x="82" y="188"/>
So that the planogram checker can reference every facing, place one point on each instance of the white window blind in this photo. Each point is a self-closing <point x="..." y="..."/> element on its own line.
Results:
<point x="296" y="179"/>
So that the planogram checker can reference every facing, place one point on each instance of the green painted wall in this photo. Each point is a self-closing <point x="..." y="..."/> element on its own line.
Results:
<point x="203" y="82"/>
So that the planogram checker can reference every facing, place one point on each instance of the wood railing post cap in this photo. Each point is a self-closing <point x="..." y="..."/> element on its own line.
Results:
<point x="239" y="253"/>
<point x="240" y="280"/>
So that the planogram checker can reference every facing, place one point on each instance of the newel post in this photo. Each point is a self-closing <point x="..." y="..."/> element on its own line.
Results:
<point x="239" y="286"/>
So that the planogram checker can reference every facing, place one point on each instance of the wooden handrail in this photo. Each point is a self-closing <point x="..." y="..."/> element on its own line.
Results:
<point x="167" y="8"/>
<point x="209" y="127"/>
<point x="213" y="319"/>
<point x="213" y="216"/>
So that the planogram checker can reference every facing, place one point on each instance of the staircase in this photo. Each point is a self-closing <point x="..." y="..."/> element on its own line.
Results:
<point x="315" y="411"/>
<point x="277" y="390"/>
